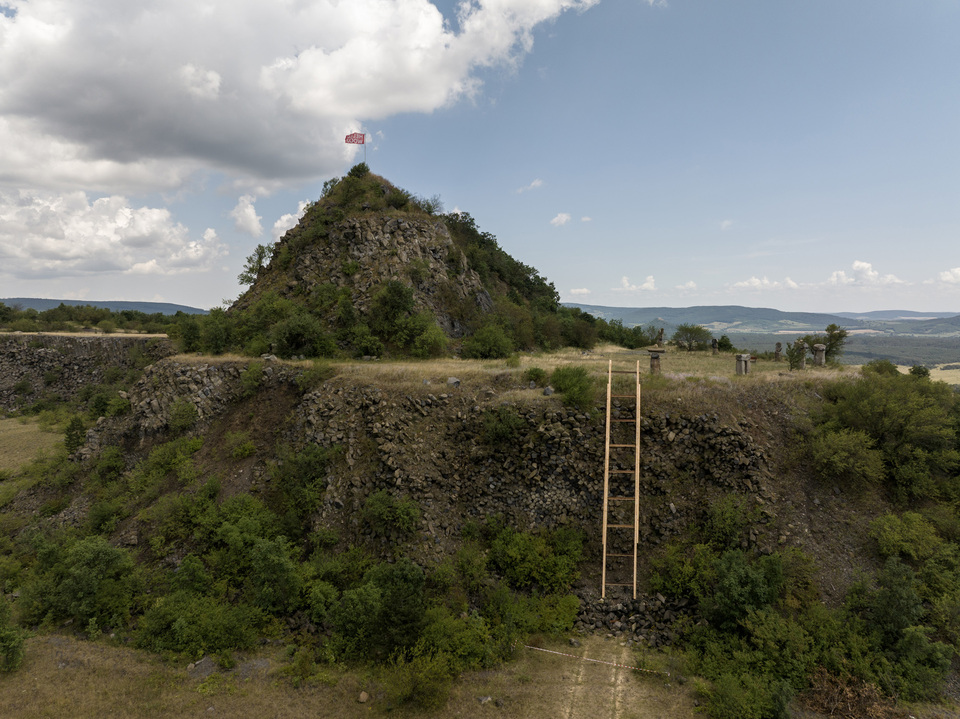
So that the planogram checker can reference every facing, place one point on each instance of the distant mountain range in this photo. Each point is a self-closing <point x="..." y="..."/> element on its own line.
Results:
<point x="164" y="308"/>
<point x="728" y="319"/>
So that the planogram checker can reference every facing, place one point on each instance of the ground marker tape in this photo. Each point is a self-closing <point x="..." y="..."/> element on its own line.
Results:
<point x="598" y="661"/>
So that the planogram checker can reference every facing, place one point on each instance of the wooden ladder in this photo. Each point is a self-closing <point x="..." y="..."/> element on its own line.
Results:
<point x="622" y="447"/>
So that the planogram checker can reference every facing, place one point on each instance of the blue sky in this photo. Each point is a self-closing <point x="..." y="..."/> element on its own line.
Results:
<point x="803" y="156"/>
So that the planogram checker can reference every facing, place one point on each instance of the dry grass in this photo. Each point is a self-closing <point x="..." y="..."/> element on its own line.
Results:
<point x="64" y="677"/>
<point x="21" y="440"/>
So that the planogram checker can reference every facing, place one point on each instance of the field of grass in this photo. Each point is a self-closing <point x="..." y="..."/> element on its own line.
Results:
<point x="63" y="676"/>
<point x="21" y="440"/>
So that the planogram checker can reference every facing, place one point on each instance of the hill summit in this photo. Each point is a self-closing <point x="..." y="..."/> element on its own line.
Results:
<point x="372" y="268"/>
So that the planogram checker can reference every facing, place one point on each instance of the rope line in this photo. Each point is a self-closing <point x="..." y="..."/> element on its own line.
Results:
<point x="598" y="661"/>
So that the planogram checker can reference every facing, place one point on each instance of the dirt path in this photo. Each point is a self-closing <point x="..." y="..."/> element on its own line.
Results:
<point x="564" y="685"/>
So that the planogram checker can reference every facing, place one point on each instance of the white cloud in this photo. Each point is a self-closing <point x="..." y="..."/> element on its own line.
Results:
<point x="756" y="283"/>
<point x="288" y="221"/>
<point x="726" y="225"/>
<point x="691" y="285"/>
<point x="114" y="94"/>
<point x="47" y="235"/>
<point x="863" y="275"/>
<point x="561" y="219"/>
<point x="245" y="217"/>
<point x="586" y="219"/>
<point x="532" y="186"/>
<point x="625" y="286"/>
<point x="951" y="276"/>
<point x="580" y="291"/>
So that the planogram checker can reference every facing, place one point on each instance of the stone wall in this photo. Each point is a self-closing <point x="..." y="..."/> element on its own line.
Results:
<point x="33" y="365"/>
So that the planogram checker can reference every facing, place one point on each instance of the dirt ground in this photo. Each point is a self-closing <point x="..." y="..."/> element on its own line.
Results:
<point x="63" y="676"/>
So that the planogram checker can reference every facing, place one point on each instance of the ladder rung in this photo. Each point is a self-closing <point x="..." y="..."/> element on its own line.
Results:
<point x="618" y="584"/>
<point x="621" y="471"/>
<point x="624" y="396"/>
<point x="628" y="556"/>
<point x="624" y="420"/>
<point x="621" y="499"/>
<point x="623" y="371"/>
<point x="619" y="526"/>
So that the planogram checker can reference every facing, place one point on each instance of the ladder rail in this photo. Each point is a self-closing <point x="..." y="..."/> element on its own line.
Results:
<point x="607" y="472"/>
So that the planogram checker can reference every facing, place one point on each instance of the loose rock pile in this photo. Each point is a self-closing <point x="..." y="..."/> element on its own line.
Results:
<point x="649" y="620"/>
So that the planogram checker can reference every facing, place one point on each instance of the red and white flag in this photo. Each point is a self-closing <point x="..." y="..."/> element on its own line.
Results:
<point x="355" y="138"/>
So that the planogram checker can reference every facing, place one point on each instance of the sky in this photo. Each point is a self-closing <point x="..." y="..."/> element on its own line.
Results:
<point x="797" y="155"/>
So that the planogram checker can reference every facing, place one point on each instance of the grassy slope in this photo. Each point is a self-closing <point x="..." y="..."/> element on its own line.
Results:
<point x="21" y="441"/>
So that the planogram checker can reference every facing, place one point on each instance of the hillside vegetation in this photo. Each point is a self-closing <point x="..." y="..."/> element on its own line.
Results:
<point x="378" y="471"/>
<point x="357" y="515"/>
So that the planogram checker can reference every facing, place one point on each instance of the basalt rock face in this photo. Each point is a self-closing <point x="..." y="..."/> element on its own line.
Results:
<point x="360" y="255"/>
<point x="34" y="365"/>
<point x="430" y="445"/>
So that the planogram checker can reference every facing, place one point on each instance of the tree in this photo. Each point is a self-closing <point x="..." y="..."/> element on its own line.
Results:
<point x="693" y="336"/>
<point x="833" y="338"/>
<point x="255" y="262"/>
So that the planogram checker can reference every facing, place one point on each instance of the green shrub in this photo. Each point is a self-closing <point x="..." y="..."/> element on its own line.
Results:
<point x="846" y="455"/>
<point x="195" y="625"/>
<point x="11" y="640"/>
<point x="579" y="389"/>
<point x="250" y="378"/>
<point x="741" y="587"/>
<point x="75" y="435"/>
<point x="386" y="515"/>
<point x="909" y="535"/>
<point x="488" y="342"/>
<point x="536" y="375"/>
<point x="359" y="171"/>
<point x="726" y="521"/>
<point x="239" y="445"/>
<point x="183" y="415"/>
<point x="86" y="580"/>
<point x="422" y="680"/>
<point x="548" y="562"/>
<point x="502" y="424"/>
<point x="321" y="598"/>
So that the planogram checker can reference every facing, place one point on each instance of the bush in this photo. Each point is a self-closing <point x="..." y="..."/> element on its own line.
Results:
<point x="195" y="625"/>
<point x="75" y="435"/>
<point x="909" y="535"/>
<point x="501" y="424"/>
<point x="251" y="377"/>
<point x="183" y="415"/>
<point x="576" y="385"/>
<point x="488" y="342"/>
<point x="386" y="515"/>
<point x="846" y="455"/>
<point x="88" y="581"/>
<point x="547" y="562"/>
<point x="741" y="587"/>
<point x="11" y="640"/>
<point x="536" y="375"/>
<point x="421" y="679"/>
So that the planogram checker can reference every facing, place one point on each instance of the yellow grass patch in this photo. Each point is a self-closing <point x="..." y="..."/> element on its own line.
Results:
<point x="21" y="440"/>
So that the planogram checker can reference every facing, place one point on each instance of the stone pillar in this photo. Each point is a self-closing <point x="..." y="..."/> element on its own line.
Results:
<point x="819" y="355"/>
<point x="743" y="364"/>
<point x="802" y="346"/>
<point x="713" y="345"/>
<point x="778" y="353"/>
<point x="654" y="363"/>
<point x="660" y="338"/>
